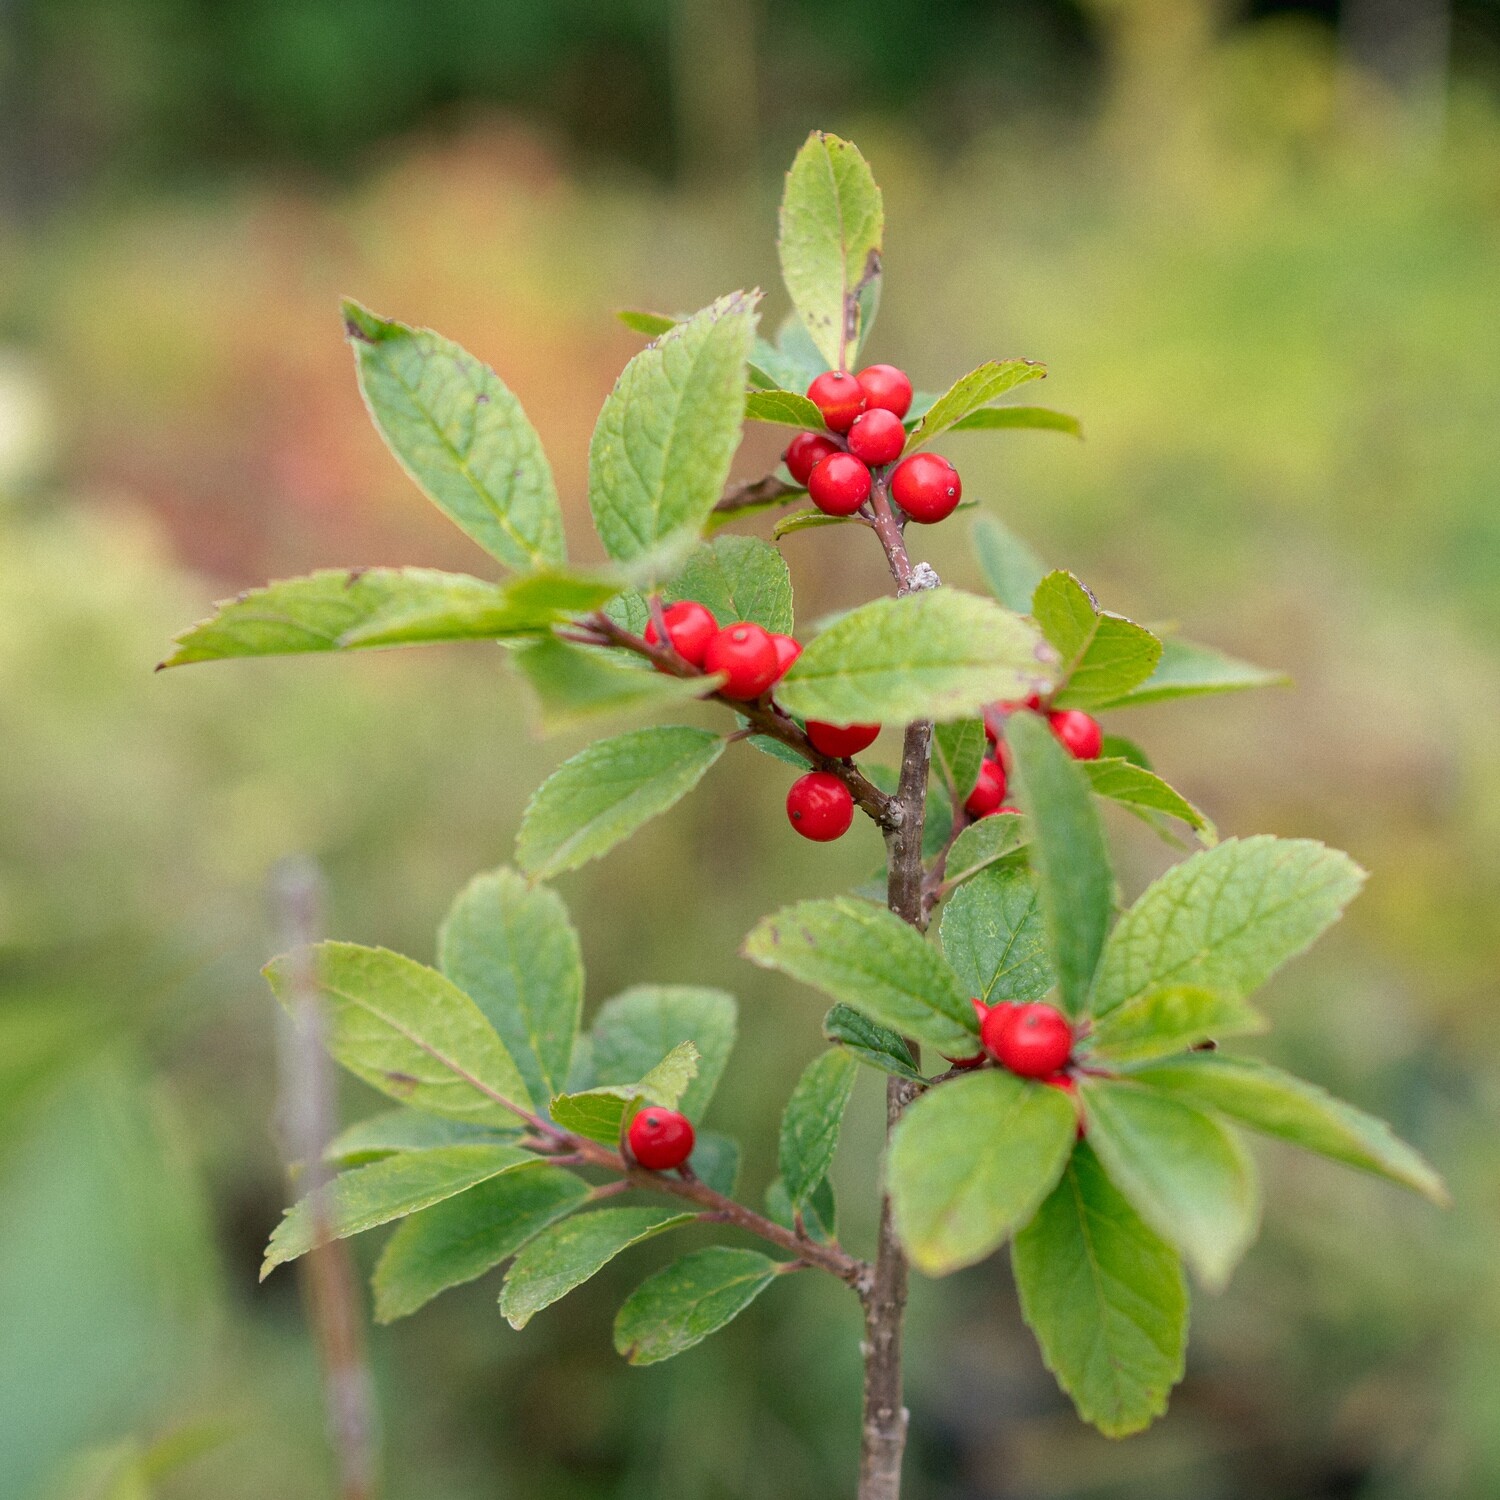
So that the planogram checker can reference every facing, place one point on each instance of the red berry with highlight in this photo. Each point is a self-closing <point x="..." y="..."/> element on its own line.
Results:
<point x="887" y="388"/>
<point x="1078" y="734"/>
<point x="877" y="437"/>
<point x="805" y="452"/>
<point x="989" y="791"/>
<point x="979" y="1058"/>
<point x="746" y="655"/>
<point x="788" y="650"/>
<point x="837" y="394"/>
<point x="839" y="485"/>
<point x="841" y="740"/>
<point x="690" y="627"/>
<point x="819" y="807"/>
<point x="1034" y="1041"/>
<point x="926" y="487"/>
<point x="661" y="1139"/>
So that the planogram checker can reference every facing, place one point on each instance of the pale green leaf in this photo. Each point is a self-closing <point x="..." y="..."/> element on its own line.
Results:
<point x="716" y="1161"/>
<point x="567" y="1254"/>
<point x="574" y="684"/>
<point x="1105" y="1298"/>
<point x="970" y="392"/>
<point x="396" y="1130"/>
<point x="971" y="1160"/>
<point x="785" y="408"/>
<point x="819" y="1211"/>
<point x="811" y="1122"/>
<point x="1103" y="656"/>
<point x="958" y="749"/>
<point x="652" y="324"/>
<point x="1040" y="418"/>
<point x="458" y="1240"/>
<point x="1186" y="1175"/>
<point x="995" y="937"/>
<point x="1011" y="569"/>
<point x="810" y="520"/>
<point x="406" y="1030"/>
<point x="644" y="1023"/>
<point x="874" y="1045"/>
<point x="938" y="653"/>
<point x="1170" y="1019"/>
<point x="984" y="844"/>
<point x="688" y="1300"/>
<point x="1277" y="1104"/>
<point x="668" y="431"/>
<point x="604" y="793"/>
<point x="868" y="958"/>
<point x="603" y="1111"/>
<point x="511" y="948"/>
<point x="461" y="435"/>
<point x="1188" y="670"/>
<point x="1227" y="918"/>
<point x="1138" y="789"/>
<point x="738" y="578"/>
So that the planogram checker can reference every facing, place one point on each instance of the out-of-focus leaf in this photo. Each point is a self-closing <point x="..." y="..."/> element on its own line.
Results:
<point x="957" y="753"/>
<point x="1040" y="418"/>
<point x="396" y="1130"/>
<point x="970" y="392"/>
<point x="1140" y="790"/>
<point x="1011" y="569"/>
<point x="1170" y="1019"/>
<point x="574" y="684"/>
<point x="1103" y="656"/>
<point x="1188" y="670"/>
<point x="643" y="1024"/>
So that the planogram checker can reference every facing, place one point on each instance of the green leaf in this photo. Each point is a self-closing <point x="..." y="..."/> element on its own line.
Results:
<point x="407" y="1031"/>
<point x="1067" y="851"/>
<point x="396" y="1130"/>
<point x="738" y="578"/>
<point x="646" y="1022"/>
<point x="1187" y="1176"/>
<point x="984" y="844"/>
<point x="1141" y="790"/>
<point x="688" y="1300"/>
<point x="777" y="751"/>
<point x="668" y="431"/>
<point x="652" y="324"/>
<point x="957" y="753"/>
<point x="1117" y="747"/>
<point x="1188" y="670"/>
<point x="869" y="958"/>
<point x="1040" y="418"/>
<point x="874" y="1045"/>
<point x="604" y="793"/>
<point x="938" y="653"/>
<point x="574" y="684"/>
<point x="995" y="937"/>
<point x="971" y="1160"/>
<point x="716" y="1161"/>
<point x="1170" y="1019"/>
<point x="602" y="1112"/>
<point x="511" y="948"/>
<point x="1227" y="918"/>
<point x="461" y="435"/>
<point x="966" y="395"/>
<point x="792" y="362"/>
<point x="809" y="520"/>
<point x="567" y="1254"/>
<point x="1268" y="1100"/>
<point x="819" y="1212"/>
<point x="785" y="408"/>
<point x="1011" y="569"/>
<point x="1103" y="655"/>
<point x="366" y="1196"/>
<point x="458" y="1240"/>
<point x="831" y="224"/>
<point x="811" y="1121"/>
<point x="1105" y="1298"/>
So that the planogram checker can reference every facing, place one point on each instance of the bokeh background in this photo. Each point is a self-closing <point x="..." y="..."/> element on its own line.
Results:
<point x="1258" y="246"/>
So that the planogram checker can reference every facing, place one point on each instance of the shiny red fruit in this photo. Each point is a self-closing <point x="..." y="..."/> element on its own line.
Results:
<point x="837" y="394"/>
<point x="877" y="437"/>
<point x="841" y="740"/>
<point x="788" y="650"/>
<point x="819" y="807"/>
<point x="1078" y="734"/>
<point x="690" y="627"/>
<point x="839" y="485"/>
<point x="1033" y="1041"/>
<point x="979" y="1058"/>
<point x="660" y="1139"/>
<point x="746" y="655"/>
<point x="886" y="387"/>
<point x="989" y="791"/>
<point x="805" y="452"/>
<point x="926" y="487"/>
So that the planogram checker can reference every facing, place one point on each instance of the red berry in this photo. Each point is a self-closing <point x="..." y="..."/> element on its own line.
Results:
<point x="1031" y="1040"/>
<point x="746" y="655"/>
<point x="660" y="1139"/>
<point x="1078" y="734"/>
<point x="690" y="627"/>
<point x="886" y="387"/>
<point x="837" y="394"/>
<point x="841" y="740"/>
<point x="839" y="485"/>
<point x="877" y="437"/>
<point x="1064" y="1081"/>
<point x="804" y="451"/>
<point x="926" y="487"/>
<point x="819" y="807"/>
<point x="981" y="1010"/>
<point x="787" y="651"/>
<point x="989" y="791"/>
<point x="992" y="1023"/>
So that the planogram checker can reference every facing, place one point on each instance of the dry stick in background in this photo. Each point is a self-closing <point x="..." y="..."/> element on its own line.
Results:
<point x="329" y="1282"/>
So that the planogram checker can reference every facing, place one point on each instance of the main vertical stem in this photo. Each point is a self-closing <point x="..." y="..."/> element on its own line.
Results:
<point x="883" y="1436"/>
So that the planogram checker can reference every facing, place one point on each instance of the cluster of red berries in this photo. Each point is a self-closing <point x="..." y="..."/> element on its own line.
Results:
<point x="751" y="658"/>
<point x="660" y="1139"/>
<point x="1031" y="1040"/>
<point x="1078" y="733"/>
<point x="865" y="412"/>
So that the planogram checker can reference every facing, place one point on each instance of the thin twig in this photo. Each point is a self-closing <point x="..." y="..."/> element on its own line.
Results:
<point x="758" y="493"/>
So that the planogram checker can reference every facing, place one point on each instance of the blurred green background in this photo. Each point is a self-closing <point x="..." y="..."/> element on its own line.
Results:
<point x="1259" y="248"/>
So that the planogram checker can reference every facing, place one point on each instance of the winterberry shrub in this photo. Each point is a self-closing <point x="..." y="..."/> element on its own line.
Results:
<point x="1047" y="1079"/>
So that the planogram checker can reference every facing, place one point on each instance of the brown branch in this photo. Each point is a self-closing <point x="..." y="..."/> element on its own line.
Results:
<point x="758" y="493"/>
